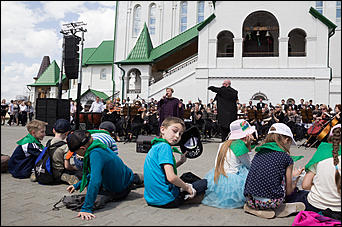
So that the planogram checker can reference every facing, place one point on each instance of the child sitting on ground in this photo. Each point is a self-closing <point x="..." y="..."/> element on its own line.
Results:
<point x="323" y="178"/>
<point x="25" y="154"/>
<point x="269" y="179"/>
<point x="163" y="188"/>
<point x="226" y="180"/>
<point x="62" y="168"/>
<point x="103" y="171"/>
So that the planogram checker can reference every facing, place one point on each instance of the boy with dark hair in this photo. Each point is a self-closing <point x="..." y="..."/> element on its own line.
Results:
<point x="103" y="171"/>
<point x="25" y="154"/>
<point x="62" y="168"/>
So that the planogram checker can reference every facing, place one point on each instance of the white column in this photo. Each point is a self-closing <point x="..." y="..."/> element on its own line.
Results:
<point x="238" y="51"/>
<point x="144" y="87"/>
<point x="311" y="51"/>
<point x="283" y="52"/>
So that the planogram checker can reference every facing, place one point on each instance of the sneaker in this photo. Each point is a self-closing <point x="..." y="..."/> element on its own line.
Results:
<point x="289" y="208"/>
<point x="260" y="213"/>
<point x="33" y="177"/>
<point x="70" y="179"/>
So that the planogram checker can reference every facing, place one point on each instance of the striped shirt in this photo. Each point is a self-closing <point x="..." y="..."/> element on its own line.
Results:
<point x="106" y="139"/>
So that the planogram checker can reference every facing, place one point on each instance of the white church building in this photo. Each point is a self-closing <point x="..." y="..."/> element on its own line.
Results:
<point x="268" y="49"/>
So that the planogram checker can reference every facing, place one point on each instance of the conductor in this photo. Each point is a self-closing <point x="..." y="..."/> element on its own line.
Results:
<point x="226" y="98"/>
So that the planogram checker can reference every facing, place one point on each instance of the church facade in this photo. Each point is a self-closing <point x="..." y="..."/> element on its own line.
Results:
<point x="268" y="49"/>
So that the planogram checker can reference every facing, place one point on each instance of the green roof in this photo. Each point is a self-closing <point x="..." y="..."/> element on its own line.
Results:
<point x="143" y="46"/>
<point x="167" y="47"/>
<point x="102" y="55"/>
<point x="323" y="19"/>
<point x="87" y="52"/>
<point x="100" y="94"/>
<point x="50" y="77"/>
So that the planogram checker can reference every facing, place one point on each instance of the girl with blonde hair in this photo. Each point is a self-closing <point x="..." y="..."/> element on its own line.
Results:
<point x="226" y="180"/>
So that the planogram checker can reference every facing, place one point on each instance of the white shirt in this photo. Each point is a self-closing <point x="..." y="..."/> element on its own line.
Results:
<point x="96" y="107"/>
<point x="23" y="107"/>
<point x="231" y="162"/>
<point x="323" y="193"/>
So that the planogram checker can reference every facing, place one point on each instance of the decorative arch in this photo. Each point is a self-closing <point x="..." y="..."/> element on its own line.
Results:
<point x="290" y="99"/>
<point x="260" y="34"/>
<point x="225" y="44"/>
<point x="134" y="81"/>
<point x="259" y="95"/>
<point x="297" y="43"/>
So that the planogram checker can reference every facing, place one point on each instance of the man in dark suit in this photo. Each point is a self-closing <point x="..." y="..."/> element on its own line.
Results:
<point x="226" y="98"/>
<point x="260" y="105"/>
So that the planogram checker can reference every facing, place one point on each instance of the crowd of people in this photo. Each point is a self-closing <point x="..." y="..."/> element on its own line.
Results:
<point x="141" y="117"/>
<point x="19" y="111"/>
<point x="265" y="185"/>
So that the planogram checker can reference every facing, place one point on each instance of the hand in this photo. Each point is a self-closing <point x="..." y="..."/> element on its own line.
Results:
<point x="85" y="215"/>
<point x="296" y="172"/>
<point x="190" y="190"/>
<point x="71" y="189"/>
<point x="183" y="157"/>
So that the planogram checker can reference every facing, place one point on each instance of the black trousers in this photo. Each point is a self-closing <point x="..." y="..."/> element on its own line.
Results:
<point x="224" y="132"/>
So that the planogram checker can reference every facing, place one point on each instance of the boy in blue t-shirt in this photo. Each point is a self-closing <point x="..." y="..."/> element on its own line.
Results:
<point x="163" y="188"/>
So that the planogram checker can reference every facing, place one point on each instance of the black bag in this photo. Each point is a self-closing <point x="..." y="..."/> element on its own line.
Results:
<point x="75" y="202"/>
<point x="43" y="165"/>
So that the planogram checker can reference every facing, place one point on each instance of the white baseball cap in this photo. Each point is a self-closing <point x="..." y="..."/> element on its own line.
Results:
<point x="239" y="129"/>
<point x="282" y="129"/>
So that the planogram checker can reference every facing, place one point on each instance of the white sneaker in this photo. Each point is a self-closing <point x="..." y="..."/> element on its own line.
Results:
<point x="289" y="208"/>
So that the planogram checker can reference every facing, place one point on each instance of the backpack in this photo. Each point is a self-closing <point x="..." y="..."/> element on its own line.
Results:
<point x="310" y="218"/>
<point x="75" y="202"/>
<point x="43" y="165"/>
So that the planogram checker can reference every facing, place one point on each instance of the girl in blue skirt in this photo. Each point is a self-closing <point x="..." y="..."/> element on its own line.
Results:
<point x="227" y="179"/>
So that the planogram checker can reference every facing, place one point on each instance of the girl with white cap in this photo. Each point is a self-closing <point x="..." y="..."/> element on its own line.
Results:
<point x="269" y="179"/>
<point x="226" y="180"/>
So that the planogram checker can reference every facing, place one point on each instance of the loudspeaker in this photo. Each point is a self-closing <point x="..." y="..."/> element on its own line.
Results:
<point x="51" y="109"/>
<point x="71" y="56"/>
<point x="144" y="143"/>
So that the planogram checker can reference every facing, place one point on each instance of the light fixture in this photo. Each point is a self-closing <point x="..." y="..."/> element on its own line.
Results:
<point x="267" y="34"/>
<point x="257" y="33"/>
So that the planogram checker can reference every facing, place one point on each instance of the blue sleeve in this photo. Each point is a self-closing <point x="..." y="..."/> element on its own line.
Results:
<point x="33" y="149"/>
<point x="96" y="166"/>
<point x="78" y="184"/>
<point x="165" y="154"/>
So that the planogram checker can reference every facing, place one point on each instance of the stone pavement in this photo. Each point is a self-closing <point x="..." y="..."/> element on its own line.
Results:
<point x="27" y="203"/>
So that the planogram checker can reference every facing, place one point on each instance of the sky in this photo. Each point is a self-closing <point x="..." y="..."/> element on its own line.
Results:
<point x="30" y="30"/>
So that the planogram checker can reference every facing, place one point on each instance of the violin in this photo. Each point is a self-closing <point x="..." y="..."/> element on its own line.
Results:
<point x="325" y="131"/>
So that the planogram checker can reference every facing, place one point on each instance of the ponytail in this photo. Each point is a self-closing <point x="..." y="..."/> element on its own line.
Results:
<point x="336" y="141"/>
<point x="219" y="168"/>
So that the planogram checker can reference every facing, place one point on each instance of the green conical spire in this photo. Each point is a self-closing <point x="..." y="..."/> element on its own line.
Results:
<point x="143" y="46"/>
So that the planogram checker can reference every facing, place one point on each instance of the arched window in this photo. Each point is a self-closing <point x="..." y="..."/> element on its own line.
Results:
<point x="225" y="44"/>
<point x="259" y="95"/>
<point x="260" y="35"/>
<point x="297" y="43"/>
<point x="319" y="6"/>
<point x="103" y="74"/>
<point x="152" y="19"/>
<point x="200" y="11"/>
<point x="183" y="16"/>
<point x="136" y="20"/>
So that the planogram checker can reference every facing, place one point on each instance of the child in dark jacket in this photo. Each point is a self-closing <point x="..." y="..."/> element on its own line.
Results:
<point x="25" y="154"/>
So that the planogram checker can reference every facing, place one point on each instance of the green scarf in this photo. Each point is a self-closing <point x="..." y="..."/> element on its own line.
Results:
<point x="239" y="148"/>
<point x="174" y="149"/>
<point x="86" y="161"/>
<point x="274" y="146"/>
<point x="98" y="131"/>
<point x="324" y="151"/>
<point x="30" y="139"/>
